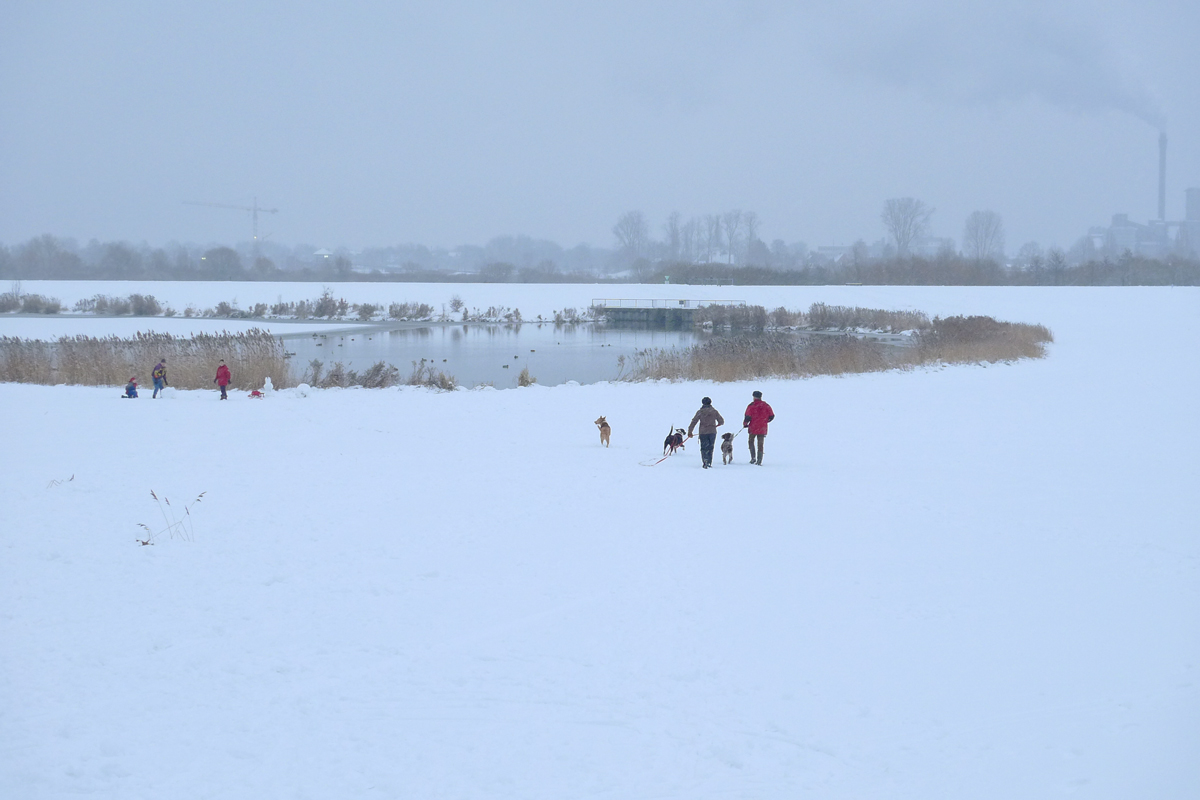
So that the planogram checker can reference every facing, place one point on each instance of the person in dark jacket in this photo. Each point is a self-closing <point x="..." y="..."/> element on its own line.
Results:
<point x="710" y="419"/>
<point x="758" y="414"/>
<point x="222" y="379"/>
<point x="160" y="377"/>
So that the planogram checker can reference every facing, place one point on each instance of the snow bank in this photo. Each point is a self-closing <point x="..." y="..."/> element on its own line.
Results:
<point x="52" y="326"/>
<point x="971" y="582"/>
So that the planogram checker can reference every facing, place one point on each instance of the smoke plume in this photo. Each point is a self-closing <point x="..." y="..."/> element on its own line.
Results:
<point x="994" y="53"/>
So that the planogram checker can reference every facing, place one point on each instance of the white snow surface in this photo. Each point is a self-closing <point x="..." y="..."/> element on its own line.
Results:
<point x="545" y="299"/>
<point x="961" y="582"/>
<point x="52" y="326"/>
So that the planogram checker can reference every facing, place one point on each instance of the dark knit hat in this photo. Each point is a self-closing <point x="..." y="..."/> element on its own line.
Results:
<point x="706" y="401"/>
<point x="758" y="394"/>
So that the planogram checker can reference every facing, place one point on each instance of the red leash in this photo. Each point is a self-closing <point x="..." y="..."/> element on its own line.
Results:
<point x="668" y="455"/>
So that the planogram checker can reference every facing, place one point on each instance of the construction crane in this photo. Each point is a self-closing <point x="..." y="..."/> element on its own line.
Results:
<point x="254" y="210"/>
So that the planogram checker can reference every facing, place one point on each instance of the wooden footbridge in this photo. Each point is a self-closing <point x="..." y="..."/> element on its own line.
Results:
<point x="653" y="313"/>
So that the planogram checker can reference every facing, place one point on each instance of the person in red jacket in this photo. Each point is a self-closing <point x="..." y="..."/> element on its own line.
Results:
<point x="758" y="414"/>
<point x="222" y="379"/>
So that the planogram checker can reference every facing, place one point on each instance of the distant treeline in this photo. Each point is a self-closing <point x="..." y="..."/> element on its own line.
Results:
<point x="48" y="258"/>
<point x="943" y="271"/>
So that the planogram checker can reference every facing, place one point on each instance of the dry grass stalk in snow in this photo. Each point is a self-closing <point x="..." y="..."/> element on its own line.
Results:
<point x="252" y="356"/>
<point x="174" y="525"/>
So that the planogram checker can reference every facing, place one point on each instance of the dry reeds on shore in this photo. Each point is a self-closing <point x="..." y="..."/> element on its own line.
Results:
<point x="747" y="357"/>
<point x="957" y="340"/>
<point x="819" y="317"/>
<point x="425" y="374"/>
<point x="379" y="375"/>
<point x="953" y="340"/>
<point x="252" y="356"/>
<point x="824" y="317"/>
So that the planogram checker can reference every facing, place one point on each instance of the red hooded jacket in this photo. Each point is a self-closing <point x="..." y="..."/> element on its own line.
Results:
<point x="222" y="375"/>
<point x="758" y="414"/>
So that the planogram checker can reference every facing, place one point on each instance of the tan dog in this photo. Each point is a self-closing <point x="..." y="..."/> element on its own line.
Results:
<point x="605" y="430"/>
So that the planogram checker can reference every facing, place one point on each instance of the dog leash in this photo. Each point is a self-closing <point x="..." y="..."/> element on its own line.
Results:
<point x="664" y="458"/>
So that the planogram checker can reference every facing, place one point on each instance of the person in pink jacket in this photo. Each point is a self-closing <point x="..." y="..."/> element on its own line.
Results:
<point x="758" y="414"/>
<point x="222" y="379"/>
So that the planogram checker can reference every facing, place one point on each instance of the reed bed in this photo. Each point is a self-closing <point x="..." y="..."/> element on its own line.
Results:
<point x="139" y="305"/>
<point x="953" y="340"/>
<point x="745" y="357"/>
<point x="826" y="318"/>
<point x="29" y="303"/>
<point x="819" y="316"/>
<point x="252" y="356"/>
<point x="379" y="375"/>
<point x="981" y="339"/>
<point x="425" y="374"/>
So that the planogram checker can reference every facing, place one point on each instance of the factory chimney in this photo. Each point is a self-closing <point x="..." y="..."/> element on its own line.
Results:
<point x="1162" y="176"/>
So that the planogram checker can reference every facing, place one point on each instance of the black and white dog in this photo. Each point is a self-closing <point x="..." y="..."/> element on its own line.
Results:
<point x="674" y="441"/>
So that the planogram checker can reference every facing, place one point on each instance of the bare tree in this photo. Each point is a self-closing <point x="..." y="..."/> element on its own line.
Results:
<point x="1056" y="264"/>
<point x="781" y="256"/>
<point x="673" y="235"/>
<point x="1037" y="265"/>
<point x="712" y="236"/>
<point x="689" y="240"/>
<point x="632" y="232"/>
<point x="983" y="236"/>
<point x="751" y="223"/>
<point x="906" y="219"/>
<point x="733" y="224"/>
<point x="1028" y="254"/>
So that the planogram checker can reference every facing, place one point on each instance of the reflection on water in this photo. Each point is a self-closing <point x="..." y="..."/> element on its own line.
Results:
<point x="495" y="354"/>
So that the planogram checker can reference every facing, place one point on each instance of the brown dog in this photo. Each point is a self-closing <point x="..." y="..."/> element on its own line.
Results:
<point x="605" y="430"/>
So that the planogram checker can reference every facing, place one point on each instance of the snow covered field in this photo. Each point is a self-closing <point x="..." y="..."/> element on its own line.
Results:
<point x="52" y="326"/>
<point x="960" y="583"/>
<point x="545" y="299"/>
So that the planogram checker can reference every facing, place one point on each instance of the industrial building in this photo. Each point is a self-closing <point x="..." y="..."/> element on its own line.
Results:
<point x="1160" y="237"/>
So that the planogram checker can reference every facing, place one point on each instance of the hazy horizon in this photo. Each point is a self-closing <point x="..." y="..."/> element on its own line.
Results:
<point x="380" y="124"/>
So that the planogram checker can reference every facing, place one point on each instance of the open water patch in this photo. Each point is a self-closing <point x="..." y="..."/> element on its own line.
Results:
<point x="478" y="353"/>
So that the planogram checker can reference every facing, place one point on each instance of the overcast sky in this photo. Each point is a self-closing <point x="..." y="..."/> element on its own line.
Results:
<point x="453" y="122"/>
